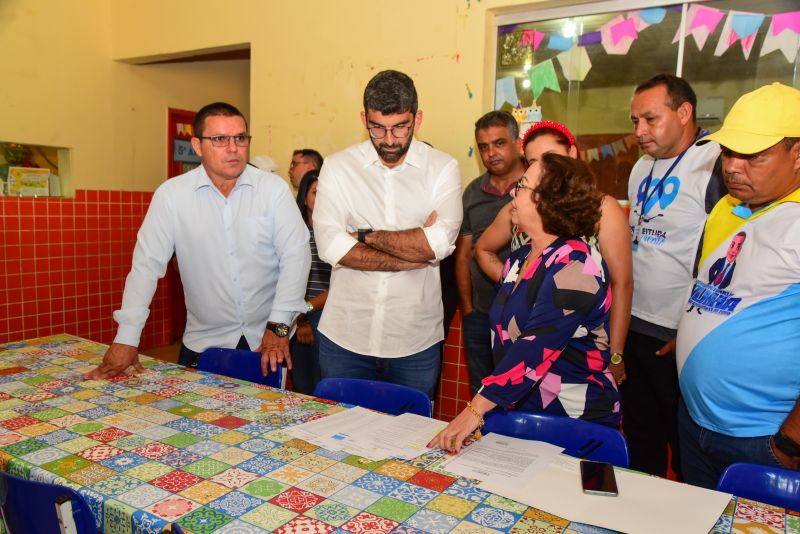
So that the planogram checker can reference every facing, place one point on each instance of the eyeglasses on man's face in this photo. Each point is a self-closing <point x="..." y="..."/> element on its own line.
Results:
<point x="399" y="131"/>
<point x="225" y="140"/>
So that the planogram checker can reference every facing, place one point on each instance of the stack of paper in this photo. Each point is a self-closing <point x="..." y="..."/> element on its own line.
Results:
<point x="371" y="434"/>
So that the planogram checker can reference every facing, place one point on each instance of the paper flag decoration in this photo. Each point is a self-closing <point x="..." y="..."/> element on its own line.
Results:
<point x="543" y="76"/>
<point x="531" y="38"/>
<point x="591" y="155"/>
<point x="702" y="21"/>
<point x="558" y="42"/>
<point x="505" y="91"/>
<point x="747" y="23"/>
<point x="785" y="21"/>
<point x="616" y="35"/>
<point x="783" y="35"/>
<point x="629" y="141"/>
<point x="591" y="38"/>
<point x="653" y="16"/>
<point x="619" y="146"/>
<point x="638" y="22"/>
<point x="606" y="151"/>
<point x="626" y="28"/>
<point x="575" y="63"/>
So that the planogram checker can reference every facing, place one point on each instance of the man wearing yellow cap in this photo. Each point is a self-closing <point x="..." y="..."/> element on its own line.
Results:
<point x="739" y="359"/>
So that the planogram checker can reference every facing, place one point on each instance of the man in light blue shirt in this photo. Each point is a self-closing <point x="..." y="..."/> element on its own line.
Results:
<point x="241" y="245"/>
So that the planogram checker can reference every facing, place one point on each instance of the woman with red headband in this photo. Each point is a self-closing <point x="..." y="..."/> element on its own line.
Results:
<point x="613" y="237"/>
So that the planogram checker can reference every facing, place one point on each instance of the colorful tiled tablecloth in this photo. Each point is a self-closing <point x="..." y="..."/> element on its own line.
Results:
<point x="210" y="453"/>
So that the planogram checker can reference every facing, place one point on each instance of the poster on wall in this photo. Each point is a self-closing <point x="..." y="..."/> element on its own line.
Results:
<point x="28" y="181"/>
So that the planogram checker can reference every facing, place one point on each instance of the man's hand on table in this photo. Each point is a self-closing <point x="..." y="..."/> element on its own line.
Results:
<point x="274" y="351"/>
<point x="116" y="360"/>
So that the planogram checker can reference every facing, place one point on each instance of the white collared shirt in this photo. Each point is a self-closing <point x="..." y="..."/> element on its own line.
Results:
<point x="243" y="259"/>
<point x="385" y="314"/>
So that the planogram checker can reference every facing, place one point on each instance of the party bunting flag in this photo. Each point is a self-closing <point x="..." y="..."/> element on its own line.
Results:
<point x="626" y="28"/>
<point x="558" y="42"/>
<point x="630" y="140"/>
<point x="606" y="151"/>
<point x="638" y="22"/>
<point x="575" y="63"/>
<point x="543" y="76"/>
<point x="591" y="155"/>
<point x="738" y="21"/>
<point x="505" y="91"/>
<point x="619" y="146"/>
<point x="653" y="15"/>
<point x="590" y="38"/>
<point x="702" y="21"/>
<point x="783" y="35"/>
<point x="531" y="38"/>
<point x="616" y="35"/>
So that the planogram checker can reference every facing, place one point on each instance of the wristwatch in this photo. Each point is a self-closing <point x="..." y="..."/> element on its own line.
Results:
<point x="279" y="329"/>
<point x="786" y="445"/>
<point x="309" y="307"/>
<point x="362" y="235"/>
<point x="616" y="358"/>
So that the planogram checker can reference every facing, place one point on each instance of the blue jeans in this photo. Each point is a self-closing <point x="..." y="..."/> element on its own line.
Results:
<point x="419" y="371"/>
<point x="478" y="346"/>
<point x="305" y="359"/>
<point x="705" y="454"/>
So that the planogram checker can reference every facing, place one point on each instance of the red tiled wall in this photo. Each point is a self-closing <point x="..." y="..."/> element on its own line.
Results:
<point x="63" y="264"/>
<point x="453" y="392"/>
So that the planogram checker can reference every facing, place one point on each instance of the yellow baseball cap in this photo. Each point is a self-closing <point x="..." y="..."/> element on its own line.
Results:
<point x="760" y="119"/>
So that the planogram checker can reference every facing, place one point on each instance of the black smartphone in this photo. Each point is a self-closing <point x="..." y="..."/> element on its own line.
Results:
<point x="598" y="478"/>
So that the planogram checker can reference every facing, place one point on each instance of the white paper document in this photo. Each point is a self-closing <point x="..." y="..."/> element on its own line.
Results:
<point x="405" y="436"/>
<point x="502" y="459"/>
<point x="645" y="504"/>
<point x="371" y="434"/>
<point x="333" y="431"/>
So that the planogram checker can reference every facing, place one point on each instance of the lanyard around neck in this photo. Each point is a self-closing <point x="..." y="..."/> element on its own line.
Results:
<point x="648" y="195"/>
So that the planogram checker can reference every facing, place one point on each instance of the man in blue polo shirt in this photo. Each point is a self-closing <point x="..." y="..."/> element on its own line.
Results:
<point x="738" y="359"/>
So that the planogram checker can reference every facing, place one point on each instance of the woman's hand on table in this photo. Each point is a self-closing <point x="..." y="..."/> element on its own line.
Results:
<point x="116" y="360"/>
<point x="451" y="439"/>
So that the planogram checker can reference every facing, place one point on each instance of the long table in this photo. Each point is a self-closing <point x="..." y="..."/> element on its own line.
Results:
<point x="211" y="454"/>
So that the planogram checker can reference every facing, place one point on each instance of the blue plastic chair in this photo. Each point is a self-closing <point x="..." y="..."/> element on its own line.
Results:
<point x="763" y="483"/>
<point x="384" y="397"/>
<point x="241" y="364"/>
<point x="30" y="506"/>
<point x="579" y="438"/>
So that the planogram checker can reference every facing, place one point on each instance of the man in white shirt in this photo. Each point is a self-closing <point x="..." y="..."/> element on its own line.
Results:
<point x="671" y="190"/>
<point x="241" y="245"/>
<point x="388" y="211"/>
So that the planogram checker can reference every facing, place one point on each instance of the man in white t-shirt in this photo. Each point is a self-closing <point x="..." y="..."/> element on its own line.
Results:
<point x="671" y="190"/>
<point x="388" y="210"/>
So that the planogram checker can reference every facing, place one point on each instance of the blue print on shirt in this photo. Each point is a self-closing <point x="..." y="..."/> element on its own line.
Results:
<point x="659" y="193"/>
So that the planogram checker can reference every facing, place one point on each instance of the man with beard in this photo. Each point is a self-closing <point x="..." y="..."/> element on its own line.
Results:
<point x="496" y="135"/>
<point x="387" y="212"/>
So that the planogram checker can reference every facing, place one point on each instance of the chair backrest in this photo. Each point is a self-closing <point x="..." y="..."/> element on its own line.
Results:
<point x="384" y="397"/>
<point x="763" y="483"/>
<point x="241" y="364"/>
<point x="579" y="438"/>
<point x="30" y="506"/>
